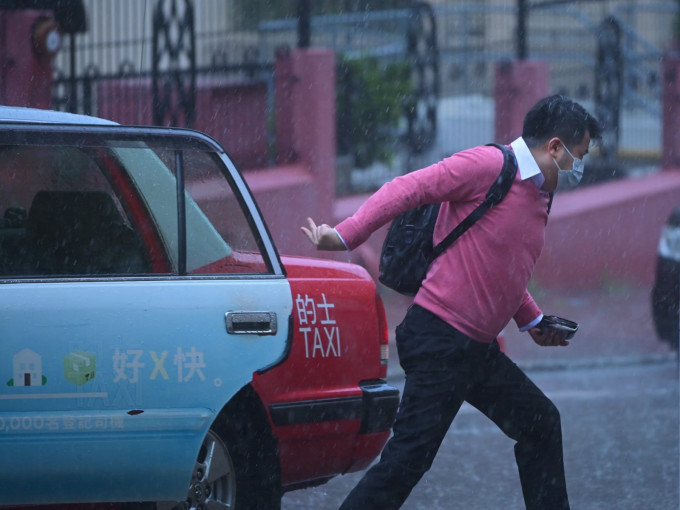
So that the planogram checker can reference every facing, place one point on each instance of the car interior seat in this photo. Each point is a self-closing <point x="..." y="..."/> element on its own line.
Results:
<point x="81" y="233"/>
<point x="13" y="249"/>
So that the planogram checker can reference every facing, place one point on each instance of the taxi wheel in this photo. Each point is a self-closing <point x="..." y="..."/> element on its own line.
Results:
<point x="237" y="466"/>
<point x="256" y="467"/>
<point x="213" y="482"/>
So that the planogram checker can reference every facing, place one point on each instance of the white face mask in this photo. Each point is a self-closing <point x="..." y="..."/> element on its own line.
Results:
<point x="567" y="179"/>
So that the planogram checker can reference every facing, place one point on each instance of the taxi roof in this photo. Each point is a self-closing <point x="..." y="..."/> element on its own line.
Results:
<point x="33" y="115"/>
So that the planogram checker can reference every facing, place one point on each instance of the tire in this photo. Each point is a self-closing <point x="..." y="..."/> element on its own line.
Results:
<point x="666" y="290"/>
<point x="254" y="454"/>
<point x="237" y="466"/>
<point x="213" y="481"/>
<point x="666" y="301"/>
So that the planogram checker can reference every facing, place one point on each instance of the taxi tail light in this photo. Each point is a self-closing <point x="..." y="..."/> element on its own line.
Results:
<point x="383" y="332"/>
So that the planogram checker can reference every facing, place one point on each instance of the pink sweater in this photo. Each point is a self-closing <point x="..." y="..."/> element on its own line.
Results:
<point x="480" y="282"/>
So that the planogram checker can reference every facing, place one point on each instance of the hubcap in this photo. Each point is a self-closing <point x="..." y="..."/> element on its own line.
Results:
<point x="213" y="483"/>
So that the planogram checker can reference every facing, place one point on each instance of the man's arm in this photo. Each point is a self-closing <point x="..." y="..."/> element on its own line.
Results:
<point x="455" y="178"/>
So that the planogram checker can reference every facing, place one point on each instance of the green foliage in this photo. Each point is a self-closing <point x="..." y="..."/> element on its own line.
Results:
<point x="369" y="107"/>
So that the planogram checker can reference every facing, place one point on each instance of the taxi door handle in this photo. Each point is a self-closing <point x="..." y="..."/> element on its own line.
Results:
<point x="251" y="323"/>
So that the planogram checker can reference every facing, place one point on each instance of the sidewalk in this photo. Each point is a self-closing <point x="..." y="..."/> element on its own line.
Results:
<point x="615" y="327"/>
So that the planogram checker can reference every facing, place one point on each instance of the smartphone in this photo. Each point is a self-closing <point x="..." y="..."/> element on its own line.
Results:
<point x="554" y="322"/>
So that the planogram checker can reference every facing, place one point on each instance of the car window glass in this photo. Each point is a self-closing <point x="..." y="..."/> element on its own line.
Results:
<point x="214" y="212"/>
<point x="61" y="216"/>
<point x="96" y="206"/>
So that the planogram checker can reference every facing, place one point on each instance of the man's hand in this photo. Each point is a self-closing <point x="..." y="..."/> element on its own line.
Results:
<point x="549" y="337"/>
<point x="323" y="236"/>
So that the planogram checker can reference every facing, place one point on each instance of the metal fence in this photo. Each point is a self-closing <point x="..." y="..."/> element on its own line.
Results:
<point x="127" y="38"/>
<point x="621" y="80"/>
<point x="171" y="45"/>
<point x="568" y="36"/>
<point x="452" y="46"/>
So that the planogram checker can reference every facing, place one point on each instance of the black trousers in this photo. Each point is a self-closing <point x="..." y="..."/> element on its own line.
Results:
<point x="443" y="368"/>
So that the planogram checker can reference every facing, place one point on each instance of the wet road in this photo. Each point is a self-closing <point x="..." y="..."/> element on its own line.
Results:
<point x="620" y="427"/>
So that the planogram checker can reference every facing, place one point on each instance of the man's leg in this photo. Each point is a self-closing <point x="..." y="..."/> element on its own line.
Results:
<point x="439" y="363"/>
<point x="525" y="414"/>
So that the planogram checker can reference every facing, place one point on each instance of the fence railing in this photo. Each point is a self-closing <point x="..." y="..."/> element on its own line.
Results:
<point x="453" y="77"/>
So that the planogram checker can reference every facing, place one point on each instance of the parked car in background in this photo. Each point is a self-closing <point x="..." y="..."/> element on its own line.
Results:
<point x="155" y="346"/>
<point x="666" y="290"/>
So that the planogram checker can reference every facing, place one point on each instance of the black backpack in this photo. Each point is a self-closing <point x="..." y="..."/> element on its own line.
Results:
<point x="408" y="249"/>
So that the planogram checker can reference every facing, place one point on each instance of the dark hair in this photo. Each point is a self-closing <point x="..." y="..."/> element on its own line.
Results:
<point x="561" y="117"/>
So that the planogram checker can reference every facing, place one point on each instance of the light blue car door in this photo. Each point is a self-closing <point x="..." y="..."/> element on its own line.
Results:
<point x="139" y="292"/>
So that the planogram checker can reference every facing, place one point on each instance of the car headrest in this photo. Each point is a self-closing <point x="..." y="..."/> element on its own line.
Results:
<point x="80" y="212"/>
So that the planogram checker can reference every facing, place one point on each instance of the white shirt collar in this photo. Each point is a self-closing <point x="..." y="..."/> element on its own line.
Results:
<point x="528" y="168"/>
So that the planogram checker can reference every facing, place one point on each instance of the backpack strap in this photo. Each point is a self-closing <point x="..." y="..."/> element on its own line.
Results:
<point x="496" y="193"/>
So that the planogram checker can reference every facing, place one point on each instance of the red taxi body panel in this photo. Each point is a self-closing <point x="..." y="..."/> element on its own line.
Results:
<point x="338" y="330"/>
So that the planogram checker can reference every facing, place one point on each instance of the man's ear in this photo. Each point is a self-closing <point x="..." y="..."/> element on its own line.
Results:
<point x="553" y="146"/>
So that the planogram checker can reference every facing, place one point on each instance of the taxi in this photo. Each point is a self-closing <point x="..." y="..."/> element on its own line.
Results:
<point x="156" y="348"/>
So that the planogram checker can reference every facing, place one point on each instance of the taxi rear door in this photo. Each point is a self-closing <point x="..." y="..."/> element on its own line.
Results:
<point x="139" y="291"/>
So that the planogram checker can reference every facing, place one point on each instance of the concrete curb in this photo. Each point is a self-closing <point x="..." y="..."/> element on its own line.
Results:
<point x="396" y="374"/>
<point x="604" y="361"/>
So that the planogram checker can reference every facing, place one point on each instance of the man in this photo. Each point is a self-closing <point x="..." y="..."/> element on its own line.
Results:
<point x="447" y="342"/>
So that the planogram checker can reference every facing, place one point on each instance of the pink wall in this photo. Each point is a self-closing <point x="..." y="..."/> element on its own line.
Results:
<point x="305" y="117"/>
<point x="518" y="86"/>
<point x="671" y="112"/>
<point x="232" y="112"/>
<point x="127" y="101"/>
<point x="607" y="233"/>
<point x="235" y="114"/>
<point x="25" y="76"/>
<point x="305" y="133"/>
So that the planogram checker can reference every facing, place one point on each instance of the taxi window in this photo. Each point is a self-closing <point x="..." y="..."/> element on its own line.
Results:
<point x="91" y="205"/>
<point x="61" y="216"/>
<point x="213" y="210"/>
